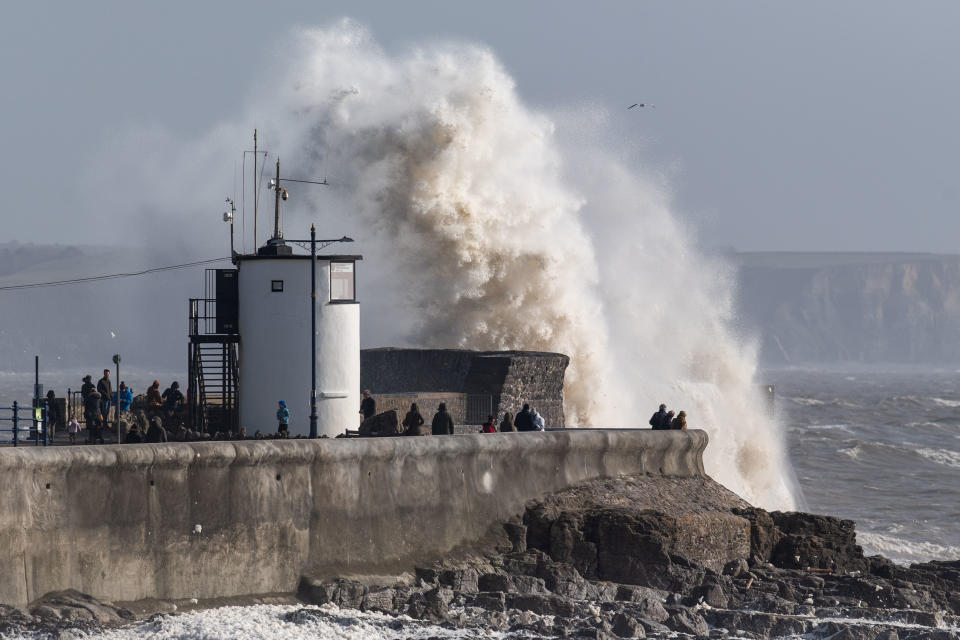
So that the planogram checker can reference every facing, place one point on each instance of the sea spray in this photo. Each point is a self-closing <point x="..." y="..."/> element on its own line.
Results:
<point x="493" y="242"/>
<point x="485" y="225"/>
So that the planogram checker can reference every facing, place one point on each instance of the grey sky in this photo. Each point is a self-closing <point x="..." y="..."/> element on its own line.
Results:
<point x="803" y="126"/>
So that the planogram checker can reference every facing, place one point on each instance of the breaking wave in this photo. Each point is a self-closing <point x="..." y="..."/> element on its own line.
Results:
<point x="488" y="224"/>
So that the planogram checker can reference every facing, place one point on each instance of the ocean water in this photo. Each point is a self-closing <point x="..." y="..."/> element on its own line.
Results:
<point x="881" y="447"/>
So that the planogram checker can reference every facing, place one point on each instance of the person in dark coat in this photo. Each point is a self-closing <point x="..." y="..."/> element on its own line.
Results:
<point x="368" y="406"/>
<point x="413" y="421"/>
<point x="154" y="399"/>
<point x="93" y="417"/>
<point x="156" y="432"/>
<point x="52" y="416"/>
<point x="442" y="422"/>
<point x="506" y="425"/>
<point x="134" y="436"/>
<point x="489" y="426"/>
<point x="524" y="420"/>
<point x="105" y="389"/>
<point x="172" y="398"/>
<point x="86" y="388"/>
<point x="659" y="419"/>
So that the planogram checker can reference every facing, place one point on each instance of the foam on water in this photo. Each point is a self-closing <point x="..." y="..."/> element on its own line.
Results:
<point x="905" y="551"/>
<point x="941" y="456"/>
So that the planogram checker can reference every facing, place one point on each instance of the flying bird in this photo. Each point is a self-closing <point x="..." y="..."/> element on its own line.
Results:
<point x="640" y="104"/>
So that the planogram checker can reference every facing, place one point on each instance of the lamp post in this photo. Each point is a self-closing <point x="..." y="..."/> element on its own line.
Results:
<point x="228" y="216"/>
<point x="116" y="408"/>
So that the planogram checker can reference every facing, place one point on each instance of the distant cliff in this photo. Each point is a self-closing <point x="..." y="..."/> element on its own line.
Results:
<point x="854" y="307"/>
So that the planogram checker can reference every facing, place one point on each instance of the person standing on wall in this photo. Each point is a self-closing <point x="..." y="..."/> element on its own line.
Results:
<point x="413" y="421"/>
<point x="489" y="426"/>
<point x="368" y="406"/>
<point x="283" y="419"/>
<point x="524" y="420"/>
<point x="659" y="419"/>
<point x="442" y="424"/>
<point x="105" y="389"/>
<point x="92" y="416"/>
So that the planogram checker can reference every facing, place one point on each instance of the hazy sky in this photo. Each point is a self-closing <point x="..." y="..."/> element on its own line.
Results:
<point x="800" y="126"/>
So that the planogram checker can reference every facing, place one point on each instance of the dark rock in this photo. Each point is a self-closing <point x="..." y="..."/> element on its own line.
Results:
<point x="73" y="606"/>
<point x="686" y="621"/>
<point x="542" y="604"/>
<point x="426" y="575"/>
<point x="343" y="593"/>
<point x="494" y="582"/>
<point x="491" y="601"/>
<point x="464" y="580"/>
<point x="821" y="542"/>
<point x="517" y="535"/>
<point x="432" y="605"/>
<point x="383" y="600"/>
<point x="382" y="424"/>
<point x="626" y="626"/>
<point x="710" y="593"/>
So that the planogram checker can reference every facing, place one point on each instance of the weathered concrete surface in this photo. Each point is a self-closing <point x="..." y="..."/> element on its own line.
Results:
<point x="120" y="523"/>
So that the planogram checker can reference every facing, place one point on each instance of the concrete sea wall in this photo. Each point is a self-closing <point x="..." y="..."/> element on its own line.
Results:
<point x="121" y="523"/>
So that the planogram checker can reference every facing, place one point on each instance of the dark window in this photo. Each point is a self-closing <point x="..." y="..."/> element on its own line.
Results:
<point x="342" y="281"/>
<point x="276" y="285"/>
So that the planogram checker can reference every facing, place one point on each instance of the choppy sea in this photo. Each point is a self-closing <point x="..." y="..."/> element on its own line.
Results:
<point x="881" y="447"/>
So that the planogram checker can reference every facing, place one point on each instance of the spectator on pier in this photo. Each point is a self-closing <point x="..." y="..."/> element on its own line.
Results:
<point x="524" y="420"/>
<point x="442" y="422"/>
<point x="123" y="398"/>
<point x="538" y="423"/>
<point x="368" y="406"/>
<point x="105" y="389"/>
<point x="156" y="432"/>
<point x="134" y="436"/>
<point x="154" y="399"/>
<point x="489" y="426"/>
<point x="413" y="422"/>
<point x="506" y="425"/>
<point x="73" y="428"/>
<point x="93" y="417"/>
<point x="52" y="416"/>
<point x="680" y="422"/>
<point x="172" y="398"/>
<point x="659" y="419"/>
<point x="87" y="387"/>
<point x="283" y="419"/>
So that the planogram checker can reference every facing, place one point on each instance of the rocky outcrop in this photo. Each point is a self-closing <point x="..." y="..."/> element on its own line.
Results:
<point x="600" y="561"/>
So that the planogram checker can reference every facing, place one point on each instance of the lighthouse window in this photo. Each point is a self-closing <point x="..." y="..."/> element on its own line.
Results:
<point x="341" y="281"/>
<point x="276" y="285"/>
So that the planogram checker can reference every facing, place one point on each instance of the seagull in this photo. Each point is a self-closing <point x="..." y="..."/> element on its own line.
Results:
<point x="640" y="104"/>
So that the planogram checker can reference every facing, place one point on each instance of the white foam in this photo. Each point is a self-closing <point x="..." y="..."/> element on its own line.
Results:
<point x="266" y="622"/>
<point x="943" y="402"/>
<point x="905" y="551"/>
<point x="946" y="457"/>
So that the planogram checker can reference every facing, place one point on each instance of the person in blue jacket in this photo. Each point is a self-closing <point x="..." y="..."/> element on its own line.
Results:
<point x="125" y="399"/>
<point x="283" y="418"/>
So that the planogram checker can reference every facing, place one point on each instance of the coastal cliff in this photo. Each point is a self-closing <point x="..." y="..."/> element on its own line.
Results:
<point x="866" y="308"/>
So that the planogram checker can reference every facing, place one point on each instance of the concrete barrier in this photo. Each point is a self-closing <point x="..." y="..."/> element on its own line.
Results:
<point x="234" y="518"/>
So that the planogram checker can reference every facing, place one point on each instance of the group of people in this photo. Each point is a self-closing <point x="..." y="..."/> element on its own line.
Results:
<point x="96" y="401"/>
<point x="442" y="424"/>
<point x="664" y="420"/>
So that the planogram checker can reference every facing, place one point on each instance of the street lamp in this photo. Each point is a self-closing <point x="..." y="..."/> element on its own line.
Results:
<point x="116" y="408"/>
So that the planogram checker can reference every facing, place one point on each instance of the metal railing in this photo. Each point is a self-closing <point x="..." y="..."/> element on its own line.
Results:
<point x="35" y="423"/>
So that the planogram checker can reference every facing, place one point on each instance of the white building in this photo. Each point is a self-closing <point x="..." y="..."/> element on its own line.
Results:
<point x="274" y="318"/>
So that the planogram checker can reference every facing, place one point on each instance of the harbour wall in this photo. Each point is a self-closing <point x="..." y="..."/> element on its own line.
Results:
<point x="214" y="519"/>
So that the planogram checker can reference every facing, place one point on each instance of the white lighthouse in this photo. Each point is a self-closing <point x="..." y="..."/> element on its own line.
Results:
<point x="274" y="321"/>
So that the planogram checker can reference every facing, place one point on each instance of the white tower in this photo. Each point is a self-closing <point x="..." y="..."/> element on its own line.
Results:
<point x="274" y="320"/>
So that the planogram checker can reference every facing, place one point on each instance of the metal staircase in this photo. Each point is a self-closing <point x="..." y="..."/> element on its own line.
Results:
<point x="212" y="360"/>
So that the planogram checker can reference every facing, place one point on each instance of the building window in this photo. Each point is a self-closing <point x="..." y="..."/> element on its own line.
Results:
<point x="276" y="285"/>
<point x="342" y="281"/>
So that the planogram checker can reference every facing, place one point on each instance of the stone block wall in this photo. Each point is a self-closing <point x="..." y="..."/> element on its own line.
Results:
<point x="510" y="378"/>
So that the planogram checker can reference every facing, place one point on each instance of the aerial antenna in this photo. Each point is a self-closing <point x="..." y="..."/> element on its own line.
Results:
<point x="256" y="153"/>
